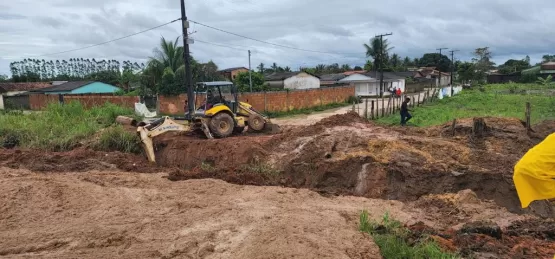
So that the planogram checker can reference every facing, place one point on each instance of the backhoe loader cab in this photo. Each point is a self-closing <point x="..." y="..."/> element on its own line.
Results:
<point x="221" y="114"/>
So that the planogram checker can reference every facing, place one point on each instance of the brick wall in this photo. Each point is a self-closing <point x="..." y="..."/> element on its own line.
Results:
<point x="40" y="101"/>
<point x="270" y="101"/>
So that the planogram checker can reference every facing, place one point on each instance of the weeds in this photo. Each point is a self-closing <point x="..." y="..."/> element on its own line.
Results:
<point x="118" y="139"/>
<point x="472" y="103"/>
<point x="391" y="237"/>
<point x="58" y="127"/>
<point x="262" y="168"/>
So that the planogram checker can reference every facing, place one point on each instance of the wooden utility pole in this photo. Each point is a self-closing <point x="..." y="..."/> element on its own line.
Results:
<point x="186" y="58"/>
<point x="250" y="78"/>
<point x="439" y="70"/>
<point x="452" y="68"/>
<point x="380" y="63"/>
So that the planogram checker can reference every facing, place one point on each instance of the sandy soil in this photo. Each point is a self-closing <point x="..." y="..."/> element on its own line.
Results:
<point x="129" y="215"/>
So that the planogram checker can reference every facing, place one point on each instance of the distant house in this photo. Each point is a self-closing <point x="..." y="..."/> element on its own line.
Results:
<point x="11" y="89"/>
<point x="433" y="73"/>
<point x="231" y="73"/>
<point x="292" y="80"/>
<point x="547" y="68"/>
<point x="78" y="87"/>
<point x="331" y="79"/>
<point x="368" y="84"/>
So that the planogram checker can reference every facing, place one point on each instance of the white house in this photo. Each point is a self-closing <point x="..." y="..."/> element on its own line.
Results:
<point x="368" y="84"/>
<point x="292" y="80"/>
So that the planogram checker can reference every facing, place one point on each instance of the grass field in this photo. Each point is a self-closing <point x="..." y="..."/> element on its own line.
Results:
<point x="494" y="101"/>
<point x="59" y="127"/>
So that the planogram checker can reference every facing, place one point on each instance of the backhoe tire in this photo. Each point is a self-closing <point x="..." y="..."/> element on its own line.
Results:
<point x="221" y="125"/>
<point x="256" y="122"/>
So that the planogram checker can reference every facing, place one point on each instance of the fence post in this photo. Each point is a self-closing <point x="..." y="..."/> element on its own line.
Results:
<point x="418" y="99"/>
<point x="372" y="110"/>
<point x="453" y="127"/>
<point x="528" y="110"/>
<point x="383" y="108"/>
<point x="353" y="110"/>
<point x="366" y="108"/>
<point x="413" y="100"/>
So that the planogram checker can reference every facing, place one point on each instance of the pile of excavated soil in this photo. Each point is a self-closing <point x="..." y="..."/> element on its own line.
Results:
<point x="78" y="160"/>
<point x="486" y="239"/>
<point x="346" y="155"/>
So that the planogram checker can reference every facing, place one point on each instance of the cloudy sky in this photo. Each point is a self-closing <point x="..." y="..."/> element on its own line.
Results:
<point x="511" y="28"/>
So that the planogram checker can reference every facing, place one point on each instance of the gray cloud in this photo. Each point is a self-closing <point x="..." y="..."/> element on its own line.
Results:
<point x="511" y="28"/>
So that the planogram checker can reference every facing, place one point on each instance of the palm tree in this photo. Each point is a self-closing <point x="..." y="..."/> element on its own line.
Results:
<point x="275" y="67"/>
<point x="373" y="50"/>
<point x="168" y="57"/>
<point x="287" y="69"/>
<point x="395" y="61"/>
<point x="261" y="68"/>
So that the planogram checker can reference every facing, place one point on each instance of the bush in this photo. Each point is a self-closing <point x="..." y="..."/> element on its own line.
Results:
<point x="58" y="127"/>
<point x="392" y="237"/>
<point x="118" y="139"/>
<point x="354" y="99"/>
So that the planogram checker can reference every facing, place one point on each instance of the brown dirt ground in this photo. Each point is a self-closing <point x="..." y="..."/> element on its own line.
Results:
<point x="443" y="179"/>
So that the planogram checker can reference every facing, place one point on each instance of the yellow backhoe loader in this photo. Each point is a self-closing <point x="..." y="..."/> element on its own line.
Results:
<point x="221" y="115"/>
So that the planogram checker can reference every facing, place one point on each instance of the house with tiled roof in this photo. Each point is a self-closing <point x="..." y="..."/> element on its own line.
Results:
<point x="11" y="89"/>
<point x="232" y="72"/>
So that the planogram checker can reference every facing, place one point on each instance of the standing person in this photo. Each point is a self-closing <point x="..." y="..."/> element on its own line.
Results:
<point x="398" y="92"/>
<point x="405" y="115"/>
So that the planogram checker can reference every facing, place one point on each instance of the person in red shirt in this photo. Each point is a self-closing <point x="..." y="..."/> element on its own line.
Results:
<point x="398" y="92"/>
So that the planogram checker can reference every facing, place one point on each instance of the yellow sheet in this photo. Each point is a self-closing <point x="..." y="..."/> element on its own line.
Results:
<point x="534" y="174"/>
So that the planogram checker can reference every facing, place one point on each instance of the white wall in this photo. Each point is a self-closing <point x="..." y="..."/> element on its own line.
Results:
<point x="367" y="88"/>
<point x="301" y="81"/>
<point x="1" y="102"/>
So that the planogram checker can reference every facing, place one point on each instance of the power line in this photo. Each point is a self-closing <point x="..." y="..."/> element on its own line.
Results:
<point x="106" y="42"/>
<point x="266" y="42"/>
<point x="221" y="45"/>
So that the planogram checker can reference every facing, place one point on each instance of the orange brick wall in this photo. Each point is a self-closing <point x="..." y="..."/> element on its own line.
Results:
<point x="40" y="101"/>
<point x="269" y="101"/>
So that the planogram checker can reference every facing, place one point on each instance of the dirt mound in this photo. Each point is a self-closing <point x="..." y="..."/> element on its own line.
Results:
<point x="78" y="160"/>
<point x="187" y="152"/>
<point x="486" y="239"/>
<point x="543" y="129"/>
<point x="341" y="120"/>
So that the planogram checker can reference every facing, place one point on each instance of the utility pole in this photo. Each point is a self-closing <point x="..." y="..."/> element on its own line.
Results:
<point x="250" y="78"/>
<point x="381" y="55"/>
<point x="188" y="74"/>
<point x="439" y="70"/>
<point x="452" y="68"/>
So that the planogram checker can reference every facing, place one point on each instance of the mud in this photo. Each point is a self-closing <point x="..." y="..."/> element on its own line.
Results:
<point x="485" y="239"/>
<point x="78" y="160"/>
<point x="445" y="177"/>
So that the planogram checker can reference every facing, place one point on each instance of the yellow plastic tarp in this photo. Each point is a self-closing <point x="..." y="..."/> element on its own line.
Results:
<point x="534" y="174"/>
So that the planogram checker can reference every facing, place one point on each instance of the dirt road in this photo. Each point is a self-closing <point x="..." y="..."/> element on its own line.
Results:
<point x="312" y="118"/>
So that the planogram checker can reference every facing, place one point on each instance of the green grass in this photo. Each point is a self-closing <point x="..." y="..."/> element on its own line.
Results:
<point x="391" y="237"/>
<point x="307" y="110"/>
<point x="58" y="127"/>
<point x="472" y="103"/>
<point x="118" y="139"/>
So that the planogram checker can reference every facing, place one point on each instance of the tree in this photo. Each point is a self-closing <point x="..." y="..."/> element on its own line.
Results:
<point x="261" y="68"/>
<point x="358" y="68"/>
<point x="483" y="63"/>
<point x="274" y="67"/>
<point x="368" y="66"/>
<point x="395" y="62"/>
<point x="443" y="63"/>
<point x="513" y="65"/>
<point x="4" y="78"/>
<point x="345" y="67"/>
<point x="548" y="58"/>
<point x="241" y="81"/>
<point x="378" y="50"/>
<point x="407" y="62"/>
<point x="287" y="69"/>
<point x="465" y="72"/>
